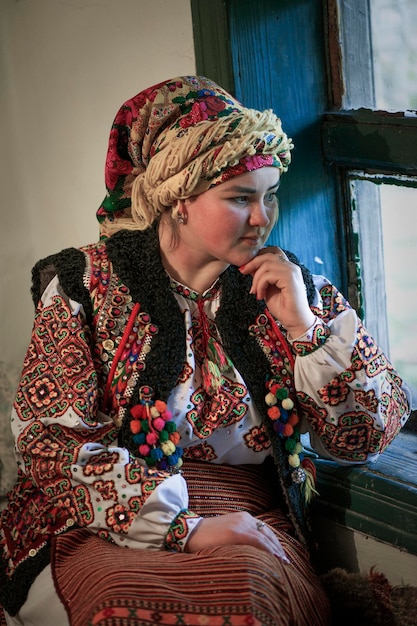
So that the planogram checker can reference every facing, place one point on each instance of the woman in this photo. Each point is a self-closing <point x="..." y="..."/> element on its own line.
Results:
<point x="171" y="369"/>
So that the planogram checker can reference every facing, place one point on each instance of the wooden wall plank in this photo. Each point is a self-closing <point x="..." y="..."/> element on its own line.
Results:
<point x="279" y="62"/>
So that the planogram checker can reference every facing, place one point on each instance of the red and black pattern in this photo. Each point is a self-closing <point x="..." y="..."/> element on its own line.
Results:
<point x="58" y="373"/>
<point x="219" y="411"/>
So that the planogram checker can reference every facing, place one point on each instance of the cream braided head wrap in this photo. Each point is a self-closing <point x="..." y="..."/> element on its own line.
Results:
<point x="178" y="139"/>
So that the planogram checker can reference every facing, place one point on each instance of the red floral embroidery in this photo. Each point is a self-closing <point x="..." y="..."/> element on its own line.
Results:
<point x="368" y="399"/>
<point x="333" y="302"/>
<point x="353" y="434"/>
<point x="367" y="355"/>
<point x="101" y="463"/>
<point x="178" y="530"/>
<point x="257" y="439"/>
<point x="49" y="387"/>
<point x="201" y="452"/>
<point x="45" y="447"/>
<point x="392" y="411"/>
<point x="119" y="518"/>
<point x="43" y="392"/>
<point x="106" y="489"/>
<point x="315" y="414"/>
<point x="46" y="469"/>
<point x="185" y="373"/>
<point x="335" y="392"/>
<point x="72" y="359"/>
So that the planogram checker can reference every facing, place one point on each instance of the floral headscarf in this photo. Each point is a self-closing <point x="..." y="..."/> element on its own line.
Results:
<point x="178" y="139"/>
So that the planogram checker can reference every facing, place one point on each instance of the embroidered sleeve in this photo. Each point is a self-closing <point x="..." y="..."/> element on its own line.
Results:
<point x="314" y="338"/>
<point x="352" y="401"/>
<point x="180" y="530"/>
<point x="68" y="450"/>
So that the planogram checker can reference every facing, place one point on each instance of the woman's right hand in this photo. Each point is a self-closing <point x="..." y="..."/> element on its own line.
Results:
<point x="238" y="528"/>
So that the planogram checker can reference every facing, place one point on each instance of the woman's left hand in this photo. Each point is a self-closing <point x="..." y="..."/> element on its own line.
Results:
<point x="280" y="283"/>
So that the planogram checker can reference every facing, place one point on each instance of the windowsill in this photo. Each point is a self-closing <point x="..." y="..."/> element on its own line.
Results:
<point x="378" y="499"/>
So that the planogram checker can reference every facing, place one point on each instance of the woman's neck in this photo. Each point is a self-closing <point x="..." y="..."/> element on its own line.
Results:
<point x="185" y="265"/>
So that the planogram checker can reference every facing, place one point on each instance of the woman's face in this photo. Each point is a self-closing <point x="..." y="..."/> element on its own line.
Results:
<point x="232" y="221"/>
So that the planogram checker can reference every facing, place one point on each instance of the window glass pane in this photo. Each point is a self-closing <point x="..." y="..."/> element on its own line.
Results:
<point x="399" y="227"/>
<point x="384" y="221"/>
<point x="394" y="51"/>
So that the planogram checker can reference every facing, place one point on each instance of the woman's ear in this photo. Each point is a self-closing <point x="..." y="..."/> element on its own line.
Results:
<point x="179" y="212"/>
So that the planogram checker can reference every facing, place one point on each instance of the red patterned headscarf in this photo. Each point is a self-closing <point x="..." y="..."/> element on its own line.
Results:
<point x="178" y="139"/>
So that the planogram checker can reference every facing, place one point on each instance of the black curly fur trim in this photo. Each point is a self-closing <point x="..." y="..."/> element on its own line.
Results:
<point x="69" y="265"/>
<point x="237" y="311"/>
<point x="137" y="262"/>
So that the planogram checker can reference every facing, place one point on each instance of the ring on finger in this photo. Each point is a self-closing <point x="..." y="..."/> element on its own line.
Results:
<point x="259" y="525"/>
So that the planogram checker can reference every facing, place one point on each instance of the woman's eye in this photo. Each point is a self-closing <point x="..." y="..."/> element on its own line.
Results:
<point x="271" y="197"/>
<point x="241" y="199"/>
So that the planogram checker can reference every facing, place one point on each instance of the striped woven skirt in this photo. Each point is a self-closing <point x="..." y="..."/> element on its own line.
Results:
<point x="102" y="584"/>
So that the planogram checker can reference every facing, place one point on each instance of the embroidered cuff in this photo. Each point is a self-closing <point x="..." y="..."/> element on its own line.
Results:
<point x="180" y="530"/>
<point x="314" y="338"/>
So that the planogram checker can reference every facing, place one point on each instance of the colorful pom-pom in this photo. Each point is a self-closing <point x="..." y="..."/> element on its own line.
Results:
<point x="278" y="427"/>
<point x="145" y="426"/>
<point x="152" y="439"/>
<point x="290" y="445"/>
<point x="293" y="419"/>
<point x="139" y="438"/>
<point x="137" y="411"/>
<point x="156" y="454"/>
<point x="298" y="448"/>
<point x="175" y="437"/>
<point x="160" y="405"/>
<point x="288" y="430"/>
<point x="274" y="412"/>
<point x="270" y="399"/>
<point x="172" y="459"/>
<point x="284" y="415"/>
<point x="168" y="448"/>
<point x="281" y="393"/>
<point x="158" y="423"/>
<point x="294" y="460"/>
<point x="154" y="432"/>
<point x="287" y="404"/>
<point x="135" y="426"/>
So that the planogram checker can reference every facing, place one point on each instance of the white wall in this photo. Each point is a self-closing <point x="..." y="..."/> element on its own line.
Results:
<point x="65" y="68"/>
